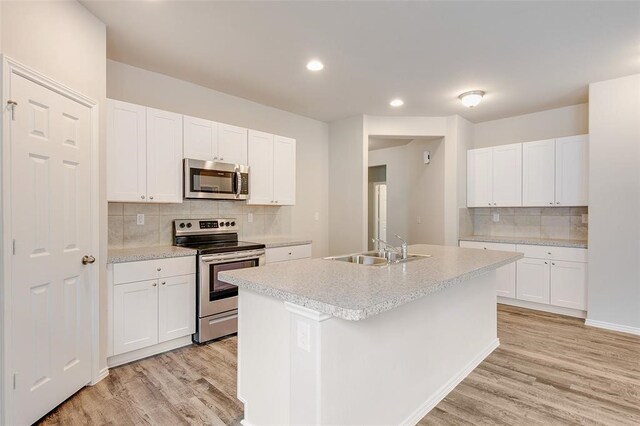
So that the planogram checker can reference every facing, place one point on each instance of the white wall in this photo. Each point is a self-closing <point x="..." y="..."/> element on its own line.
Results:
<point x="347" y="186"/>
<point x="64" y="41"/>
<point x="136" y="85"/>
<point x="567" y="121"/>
<point x="614" y="202"/>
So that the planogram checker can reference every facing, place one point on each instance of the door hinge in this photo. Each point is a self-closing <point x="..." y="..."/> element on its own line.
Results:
<point x="12" y="104"/>
<point x="15" y="375"/>
<point x="14" y="246"/>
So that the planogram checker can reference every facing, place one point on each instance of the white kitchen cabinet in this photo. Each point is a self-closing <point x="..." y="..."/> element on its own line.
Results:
<point x="284" y="170"/>
<point x="506" y="275"/>
<point x="164" y="156"/>
<point x="152" y="307"/>
<point x="538" y="173"/>
<point x="494" y="176"/>
<point x="135" y="315"/>
<point x="555" y="172"/>
<point x="232" y="144"/>
<point x="272" y="162"/>
<point x="533" y="281"/>
<point x="479" y="178"/>
<point x="126" y="151"/>
<point x="572" y="171"/>
<point x="568" y="284"/>
<point x="176" y="307"/>
<point x="200" y="139"/>
<point x="144" y="161"/>
<point x="283" y="254"/>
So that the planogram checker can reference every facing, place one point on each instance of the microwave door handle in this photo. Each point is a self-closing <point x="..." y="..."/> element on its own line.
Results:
<point x="238" y="183"/>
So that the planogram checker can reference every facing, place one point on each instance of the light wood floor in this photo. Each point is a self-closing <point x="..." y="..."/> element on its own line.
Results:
<point x="548" y="370"/>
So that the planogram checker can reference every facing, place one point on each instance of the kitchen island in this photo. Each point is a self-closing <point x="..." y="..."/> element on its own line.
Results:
<point x="330" y="342"/>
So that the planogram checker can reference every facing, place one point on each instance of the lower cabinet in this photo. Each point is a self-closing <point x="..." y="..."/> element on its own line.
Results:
<point x="505" y="276"/>
<point x="151" y="311"/>
<point x="568" y="284"/>
<point x="282" y="254"/>
<point x="533" y="280"/>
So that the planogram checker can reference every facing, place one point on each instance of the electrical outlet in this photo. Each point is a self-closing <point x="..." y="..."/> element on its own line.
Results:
<point x="250" y="217"/>
<point x="304" y="336"/>
<point x="419" y="219"/>
<point x="496" y="217"/>
<point x="140" y="219"/>
<point x="316" y="216"/>
<point x="585" y="218"/>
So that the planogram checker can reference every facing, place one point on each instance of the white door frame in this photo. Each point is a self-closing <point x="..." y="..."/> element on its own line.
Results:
<point x="376" y="211"/>
<point x="9" y="67"/>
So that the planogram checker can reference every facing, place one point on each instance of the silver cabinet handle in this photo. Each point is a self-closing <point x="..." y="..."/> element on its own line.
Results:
<point x="87" y="259"/>
<point x="142" y="196"/>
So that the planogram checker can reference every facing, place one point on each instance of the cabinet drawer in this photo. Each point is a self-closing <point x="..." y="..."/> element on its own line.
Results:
<point x="152" y="269"/>
<point x="556" y="253"/>
<point x="281" y="254"/>
<point x="488" y="246"/>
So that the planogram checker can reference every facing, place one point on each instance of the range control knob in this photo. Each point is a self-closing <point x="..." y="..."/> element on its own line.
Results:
<point x="233" y="224"/>
<point x="189" y="225"/>
<point x="221" y="224"/>
<point x="182" y="225"/>
<point x="227" y="224"/>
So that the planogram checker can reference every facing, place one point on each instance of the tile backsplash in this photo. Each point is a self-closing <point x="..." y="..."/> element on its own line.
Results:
<point x="527" y="222"/>
<point x="158" y="220"/>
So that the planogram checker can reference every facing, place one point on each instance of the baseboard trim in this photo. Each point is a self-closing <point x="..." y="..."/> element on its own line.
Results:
<point x="441" y="393"/>
<point x="613" y="327"/>
<point x="101" y="375"/>
<point x="127" y="357"/>
<point x="542" y="307"/>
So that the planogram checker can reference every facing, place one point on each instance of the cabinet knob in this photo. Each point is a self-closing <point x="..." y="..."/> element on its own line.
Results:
<point x="221" y="159"/>
<point x="159" y="269"/>
<point x="142" y="196"/>
<point x="155" y="284"/>
<point x="215" y="158"/>
<point x="151" y="198"/>
<point x="494" y="204"/>
<point x="551" y="203"/>
<point x="546" y="263"/>
<point x="553" y="264"/>
<point x="549" y="253"/>
<point x="164" y="282"/>
<point x="489" y="203"/>
<point x="289" y="253"/>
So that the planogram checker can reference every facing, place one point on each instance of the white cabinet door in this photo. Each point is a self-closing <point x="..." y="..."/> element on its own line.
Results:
<point x="506" y="281"/>
<point x="284" y="170"/>
<point x="261" y="168"/>
<point x="176" y="307"/>
<point x="126" y="152"/>
<point x="200" y="139"/>
<point x="569" y="284"/>
<point x="572" y="171"/>
<point x="164" y="156"/>
<point x="538" y="173"/>
<point x="232" y="144"/>
<point x="479" y="178"/>
<point x="533" y="280"/>
<point x="507" y="175"/>
<point x="135" y="316"/>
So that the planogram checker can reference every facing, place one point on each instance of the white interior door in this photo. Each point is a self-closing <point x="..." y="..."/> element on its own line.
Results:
<point x="50" y="327"/>
<point x="380" y="212"/>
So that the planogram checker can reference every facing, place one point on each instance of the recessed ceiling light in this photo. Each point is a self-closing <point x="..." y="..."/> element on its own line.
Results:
<point x="472" y="98"/>
<point x="396" y="103"/>
<point x="315" y="65"/>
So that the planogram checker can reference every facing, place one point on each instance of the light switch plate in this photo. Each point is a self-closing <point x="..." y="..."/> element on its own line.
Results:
<point x="140" y="219"/>
<point x="316" y="216"/>
<point x="496" y="217"/>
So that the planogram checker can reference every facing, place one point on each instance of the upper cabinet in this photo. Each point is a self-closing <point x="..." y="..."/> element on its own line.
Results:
<point x="494" y="176"/>
<point x="555" y="172"/>
<point x="272" y="162"/>
<point x="210" y="141"/>
<point x="144" y="154"/>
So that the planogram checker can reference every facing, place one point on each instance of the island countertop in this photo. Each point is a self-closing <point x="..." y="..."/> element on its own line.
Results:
<point x="355" y="292"/>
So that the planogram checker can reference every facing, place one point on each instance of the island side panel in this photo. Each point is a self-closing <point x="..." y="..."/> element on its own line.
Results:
<point x="394" y="367"/>
<point x="263" y="359"/>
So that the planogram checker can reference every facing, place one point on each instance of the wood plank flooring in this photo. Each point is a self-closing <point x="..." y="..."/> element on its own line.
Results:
<point x="548" y="370"/>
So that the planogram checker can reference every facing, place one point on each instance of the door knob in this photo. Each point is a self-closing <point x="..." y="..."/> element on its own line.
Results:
<point x="87" y="259"/>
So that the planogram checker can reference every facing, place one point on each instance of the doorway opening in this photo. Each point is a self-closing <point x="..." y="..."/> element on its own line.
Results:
<point x="377" y="205"/>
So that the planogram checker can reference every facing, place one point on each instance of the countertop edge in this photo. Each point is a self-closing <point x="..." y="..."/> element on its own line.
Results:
<point x="138" y="257"/>
<point x="527" y="242"/>
<point x="361" y="314"/>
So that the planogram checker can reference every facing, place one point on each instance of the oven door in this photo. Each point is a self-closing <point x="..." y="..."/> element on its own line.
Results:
<point x="216" y="296"/>
<point x="213" y="180"/>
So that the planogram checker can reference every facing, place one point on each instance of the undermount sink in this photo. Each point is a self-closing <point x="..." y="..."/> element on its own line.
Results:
<point x="371" y="258"/>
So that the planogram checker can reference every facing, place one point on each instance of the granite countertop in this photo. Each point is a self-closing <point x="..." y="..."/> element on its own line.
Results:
<point x="355" y="292"/>
<point x="529" y="241"/>
<point x="272" y="241"/>
<point x="147" y="253"/>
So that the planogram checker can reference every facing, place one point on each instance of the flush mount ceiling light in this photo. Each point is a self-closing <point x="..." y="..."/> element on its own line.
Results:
<point x="396" y="103"/>
<point x="472" y="98"/>
<point x="315" y="65"/>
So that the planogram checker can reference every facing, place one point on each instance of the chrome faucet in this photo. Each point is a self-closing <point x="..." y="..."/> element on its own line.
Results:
<point x="388" y="248"/>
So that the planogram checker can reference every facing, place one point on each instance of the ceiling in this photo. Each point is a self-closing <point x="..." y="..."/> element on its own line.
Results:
<point x="527" y="56"/>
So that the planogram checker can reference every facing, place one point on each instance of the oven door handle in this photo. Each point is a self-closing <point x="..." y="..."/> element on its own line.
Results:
<point x="233" y="256"/>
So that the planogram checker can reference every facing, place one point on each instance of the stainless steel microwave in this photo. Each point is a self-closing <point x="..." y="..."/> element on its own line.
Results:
<point x="215" y="180"/>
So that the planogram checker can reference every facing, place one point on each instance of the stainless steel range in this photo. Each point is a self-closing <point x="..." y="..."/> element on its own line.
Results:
<point x="216" y="241"/>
